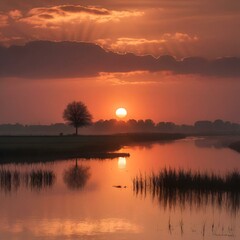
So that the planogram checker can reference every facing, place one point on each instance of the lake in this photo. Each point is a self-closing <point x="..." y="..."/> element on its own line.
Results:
<point x="95" y="199"/>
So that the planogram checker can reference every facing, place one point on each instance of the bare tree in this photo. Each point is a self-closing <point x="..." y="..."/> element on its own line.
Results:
<point x="76" y="114"/>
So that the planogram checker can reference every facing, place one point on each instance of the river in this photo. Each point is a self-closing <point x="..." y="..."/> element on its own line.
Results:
<point x="95" y="199"/>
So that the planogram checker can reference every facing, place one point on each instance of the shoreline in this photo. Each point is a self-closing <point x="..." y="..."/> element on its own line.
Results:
<point x="235" y="146"/>
<point x="29" y="149"/>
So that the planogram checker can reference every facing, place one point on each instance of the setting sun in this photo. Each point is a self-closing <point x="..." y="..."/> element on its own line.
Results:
<point x="121" y="112"/>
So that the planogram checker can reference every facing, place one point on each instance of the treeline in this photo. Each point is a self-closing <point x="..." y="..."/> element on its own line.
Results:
<point x="114" y="126"/>
<point x="19" y="129"/>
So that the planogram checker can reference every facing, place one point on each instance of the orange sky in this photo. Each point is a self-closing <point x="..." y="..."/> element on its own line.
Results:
<point x="178" y="28"/>
<point x="43" y="101"/>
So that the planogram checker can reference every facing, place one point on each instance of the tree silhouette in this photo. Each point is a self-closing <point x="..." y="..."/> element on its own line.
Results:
<point x="76" y="114"/>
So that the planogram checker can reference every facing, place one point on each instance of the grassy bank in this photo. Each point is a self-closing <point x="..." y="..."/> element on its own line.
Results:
<point x="235" y="146"/>
<point x="45" y="148"/>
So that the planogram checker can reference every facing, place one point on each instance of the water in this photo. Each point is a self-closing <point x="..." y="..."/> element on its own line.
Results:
<point x="88" y="203"/>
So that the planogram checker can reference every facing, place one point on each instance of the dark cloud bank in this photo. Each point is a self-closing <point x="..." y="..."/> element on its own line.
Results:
<point x="44" y="59"/>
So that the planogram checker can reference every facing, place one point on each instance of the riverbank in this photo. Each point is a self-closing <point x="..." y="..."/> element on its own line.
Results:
<point x="235" y="146"/>
<point x="50" y="148"/>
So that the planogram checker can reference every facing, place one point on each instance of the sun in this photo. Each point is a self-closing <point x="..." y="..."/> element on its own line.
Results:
<point x="121" y="112"/>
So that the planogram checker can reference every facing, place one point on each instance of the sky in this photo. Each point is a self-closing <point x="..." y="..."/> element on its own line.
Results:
<point x="167" y="60"/>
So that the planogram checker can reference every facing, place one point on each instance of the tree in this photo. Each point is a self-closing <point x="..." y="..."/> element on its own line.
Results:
<point x="76" y="114"/>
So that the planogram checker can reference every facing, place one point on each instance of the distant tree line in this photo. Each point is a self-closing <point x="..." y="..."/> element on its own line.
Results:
<point x="114" y="126"/>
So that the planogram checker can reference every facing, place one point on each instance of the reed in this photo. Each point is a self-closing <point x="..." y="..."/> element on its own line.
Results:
<point x="35" y="179"/>
<point x="173" y="187"/>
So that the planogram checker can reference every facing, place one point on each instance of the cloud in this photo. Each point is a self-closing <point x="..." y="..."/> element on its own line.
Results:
<point x="3" y="39"/>
<point x="46" y="16"/>
<point x="156" y="47"/>
<point x="3" y="20"/>
<point x="198" y="5"/>
<point x="44" y="59"/>
<point x="15" y="14"/>
<point x="137" y="77"/>
<point x="180" y="37"/>
<point x="90" y="10"/>
<point x="58" y="15"/>
<point x="123" y="41"/>
<point x="189" y="28"/>
<point x="127" y="41"/>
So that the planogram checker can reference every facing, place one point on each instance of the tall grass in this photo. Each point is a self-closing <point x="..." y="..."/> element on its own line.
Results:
<point x="35" y="179"/>
<point x="177" y="187"/>
<point x="235" y="146"/>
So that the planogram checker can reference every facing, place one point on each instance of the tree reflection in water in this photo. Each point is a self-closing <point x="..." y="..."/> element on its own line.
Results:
<point x="35" y="179"/>
<point x="76" y="176"/>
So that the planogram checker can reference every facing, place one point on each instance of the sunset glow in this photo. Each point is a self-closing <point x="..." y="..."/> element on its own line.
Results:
<point x="119" y="119"/>
<point x="121" y="112"/>
<point x="167" y="58"/>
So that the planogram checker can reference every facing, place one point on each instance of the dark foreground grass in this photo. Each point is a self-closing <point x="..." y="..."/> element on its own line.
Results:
<point x="49" y="148"/>
<point x="173" y="188"/>
<point x="235" y="146"/>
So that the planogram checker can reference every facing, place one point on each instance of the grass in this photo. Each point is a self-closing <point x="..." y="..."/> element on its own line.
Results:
<point x="173" y="187"/>
<point x="48" y="148"/>
<point x="235" y="146"/>
<point x="35" y="179"/>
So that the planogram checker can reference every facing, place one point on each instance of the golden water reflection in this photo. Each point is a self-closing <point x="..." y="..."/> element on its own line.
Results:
<point x="67" y="227"/>
<point x="97" y="210"/>
<point x="122" y="162"/>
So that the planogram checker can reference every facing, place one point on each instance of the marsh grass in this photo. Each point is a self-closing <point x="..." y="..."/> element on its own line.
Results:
<point x="177" y="187"/>
<point x="235" y="146"/>
<point x="34" y="180"/>
<point x="205" y="229"/>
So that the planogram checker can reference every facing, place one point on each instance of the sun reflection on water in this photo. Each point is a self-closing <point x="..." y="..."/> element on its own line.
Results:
<point x="122" y="162"/>
<point x="67" y="227"/>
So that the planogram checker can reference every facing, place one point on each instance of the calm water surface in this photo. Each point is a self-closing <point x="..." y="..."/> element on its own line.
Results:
<point x="83" y="204"/>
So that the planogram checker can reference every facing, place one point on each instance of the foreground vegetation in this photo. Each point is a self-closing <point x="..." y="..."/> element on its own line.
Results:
<point x="47" y="148"/>
<point x="173" y="188"/>
<point x="235" y="146"/>
<point x="35" y="179"/>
